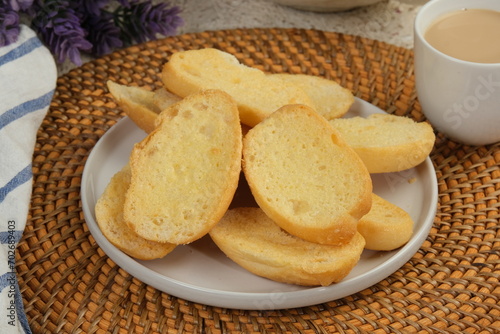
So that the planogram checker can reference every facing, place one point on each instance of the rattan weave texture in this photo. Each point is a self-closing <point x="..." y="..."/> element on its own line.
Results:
<point x="451" y="285"/>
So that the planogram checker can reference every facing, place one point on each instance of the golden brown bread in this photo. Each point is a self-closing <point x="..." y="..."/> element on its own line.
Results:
<point x="109" y="216"/>
<point x="163" y="99"/>
<point x="386" y="226"/>
<point x="137" y="103"/>
<point x="303" y="172"/>
<point x="185" y="172"/>
<point x="387" y="143"/>
<point x="251" y="239"/>
<point x="141" y="105"/>
<point x="330" y="99"/>
<point x="304" y="176"/>
<point x="256" y="94"/>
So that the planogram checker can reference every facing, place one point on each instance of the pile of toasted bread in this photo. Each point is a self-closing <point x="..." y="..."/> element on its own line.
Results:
<point x="217" y="124"/>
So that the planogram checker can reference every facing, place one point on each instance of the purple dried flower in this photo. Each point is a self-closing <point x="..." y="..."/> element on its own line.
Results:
<point x="124" y="3"/>
<point x="9" y="25"/>
<point x="102" y="33"/>
<point x="143" y="21"/>
<point x="18" y="5"/>
<point x="86" y="8"/>
<point x="69" y="27"/>
<point x="60" y="28"/>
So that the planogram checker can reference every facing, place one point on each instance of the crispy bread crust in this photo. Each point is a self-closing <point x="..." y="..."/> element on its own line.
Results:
<point x="386" y="227"/>
<point x="109" y="216"/>
<point x="251" y="239"/>
<point x="257" y="95"/>
<point x="387" y="143"/>
<point x="304" y="177"/>
<point x="185" y="172"/>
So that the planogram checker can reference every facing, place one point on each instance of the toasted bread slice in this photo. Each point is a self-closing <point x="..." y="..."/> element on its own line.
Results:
<point x="330" y="99"/>
<point x="386" y="227"/>
<point x="256" y="94"/>
<point x="109" y="216"/>
<point x="137" y="103"/>
<point x="163" y="99"/>
<point x="304" y="176"/>
<point x="251" y="239"/>
<point x="385" y="142"/>
<point x="141" y="104"/>
<point x="185" y="172"/>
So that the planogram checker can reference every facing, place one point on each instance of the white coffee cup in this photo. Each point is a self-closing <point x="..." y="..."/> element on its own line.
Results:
<point x="461" y="99"/>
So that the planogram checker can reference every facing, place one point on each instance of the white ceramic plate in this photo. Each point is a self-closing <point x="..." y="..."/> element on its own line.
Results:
<point x="199" y="272"/>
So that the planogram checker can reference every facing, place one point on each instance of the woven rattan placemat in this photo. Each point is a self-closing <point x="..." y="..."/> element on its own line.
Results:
<point x="70" y="286"/>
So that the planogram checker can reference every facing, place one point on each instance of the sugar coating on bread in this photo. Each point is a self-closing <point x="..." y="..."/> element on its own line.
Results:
<point x="109" y="217"/>
<point x="251" y="239"/>
<point x="185" y="172"/>
<point x="304" y="176"/>
<point x="257" y="96"/>
<point x="386" y="227"/>
<point x="330" y="99"/>
<point x="385" y="142"/>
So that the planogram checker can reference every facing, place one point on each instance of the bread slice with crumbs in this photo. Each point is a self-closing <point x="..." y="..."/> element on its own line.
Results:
<point x="305" y="177"/>
<point x="184" y="174"/>
<point x="257" y="95"/>
<point x="386" y="227"/>
<point x="385" y="142"/>
<point x="251" y="239"/>
<point x="109" y="217"/>
<point x="330" y="99"/>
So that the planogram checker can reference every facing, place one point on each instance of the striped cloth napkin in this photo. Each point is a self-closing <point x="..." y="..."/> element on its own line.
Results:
<point x="27" y="81"/>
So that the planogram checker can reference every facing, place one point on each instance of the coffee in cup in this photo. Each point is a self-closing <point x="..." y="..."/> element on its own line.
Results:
<point x="467" y="34"/>
<point x="457" y="76"/>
